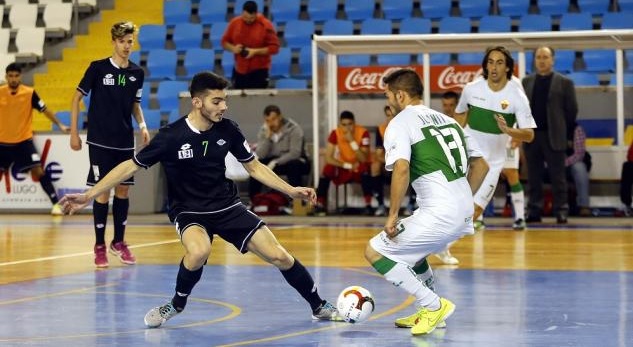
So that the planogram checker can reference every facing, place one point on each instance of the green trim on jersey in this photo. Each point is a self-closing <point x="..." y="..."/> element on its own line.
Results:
<point x="483" y="120"/>
<point x="442" y="148"/>
<point x="383" y="265"/>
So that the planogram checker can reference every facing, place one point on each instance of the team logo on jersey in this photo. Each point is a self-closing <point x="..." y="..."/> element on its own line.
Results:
<point x="108" y="80"/>
<point x="132" y="78"/>
<point x="505" y="104"/>
<point x="221" y="142"/>
<point x="185" y="152"/>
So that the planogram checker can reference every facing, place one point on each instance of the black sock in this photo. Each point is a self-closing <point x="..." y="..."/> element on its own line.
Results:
<point x="47" y="185"/>
<point x="378" y="183"/>
<point x="119" y="216"/>
<point x="100" y="217"/>
<point x="185" y="282"/>
<point x="301" y="280"/>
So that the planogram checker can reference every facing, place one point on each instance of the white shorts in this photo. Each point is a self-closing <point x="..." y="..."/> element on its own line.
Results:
<point x="424" y="233"/>
<point x="487" y="189"/>
<point x="512" y="158"/>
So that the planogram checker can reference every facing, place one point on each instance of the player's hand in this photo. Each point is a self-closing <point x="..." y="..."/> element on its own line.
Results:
<point x="272" y="164"/>
<point x="348" y="136"/>
<point x="390" y="225"/>
<point x="64" y="128"/>
<point x="238" y="48"/>
<point x="304" y="193"/>
<point x="75" y="142"/>
<point x="145" y="135"/>
<point x="501" y="122"/>
<point x="72" y="203"/>
<point x="514" y="143"/>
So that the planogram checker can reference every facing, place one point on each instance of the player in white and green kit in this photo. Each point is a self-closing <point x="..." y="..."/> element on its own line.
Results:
<point x="429" y="150"/>
<point x="489" y="108"/>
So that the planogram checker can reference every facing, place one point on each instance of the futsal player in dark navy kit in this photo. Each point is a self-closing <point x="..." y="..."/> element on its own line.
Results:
<point x="203" y="202"/>
<point x="115" y="85"/>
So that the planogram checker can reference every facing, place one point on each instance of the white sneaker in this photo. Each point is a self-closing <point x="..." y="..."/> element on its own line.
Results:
<point x="380" y="211"/>
<point x="57" y="210"/>
<point x="446" y="257"/>
<point x="159" y="315"/>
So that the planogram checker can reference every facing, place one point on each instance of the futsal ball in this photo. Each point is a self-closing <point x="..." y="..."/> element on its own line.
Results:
<point x="355" y="304"/>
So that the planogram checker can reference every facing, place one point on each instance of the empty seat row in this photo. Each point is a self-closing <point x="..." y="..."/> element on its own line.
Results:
<point x="56" y="16"/>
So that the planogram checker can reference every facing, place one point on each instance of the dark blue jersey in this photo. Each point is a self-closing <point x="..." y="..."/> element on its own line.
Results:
<point x="113" y="92"/>
<point x="194" y="164"/>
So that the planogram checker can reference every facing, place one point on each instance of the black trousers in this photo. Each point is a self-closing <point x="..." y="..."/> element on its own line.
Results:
<point x="626" y="182"/>
<point x="256" y="79"/>
<point x="538" y="153"/>
<point x="294" y="170"/>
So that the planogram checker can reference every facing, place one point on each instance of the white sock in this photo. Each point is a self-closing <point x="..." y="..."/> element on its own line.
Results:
<point x="404" y="277"/>
<point x="518" y="201"/>
<point x="481" y="217"/>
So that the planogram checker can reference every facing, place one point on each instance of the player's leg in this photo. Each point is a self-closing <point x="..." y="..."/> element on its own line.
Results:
<point x="329" y="173"/>
<point x="120" y="208"/>
<point x="27" y="158"/>
<point x="100" y="165"/>
<point x="518" y="197"/>
<point x="364" y="177"/>
<point x="378" y="186"/>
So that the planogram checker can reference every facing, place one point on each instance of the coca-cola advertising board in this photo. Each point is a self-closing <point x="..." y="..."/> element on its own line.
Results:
<point x="368" y="79"/>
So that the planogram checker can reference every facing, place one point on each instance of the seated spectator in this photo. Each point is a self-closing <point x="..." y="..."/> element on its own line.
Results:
<point x="578" y="164"/>
<point x="280" y="145"/>
<point x="347" y="159"/>
<point x="626" y="181"/>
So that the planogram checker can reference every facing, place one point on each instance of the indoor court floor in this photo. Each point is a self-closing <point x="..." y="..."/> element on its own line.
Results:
<point x="551" y="285"/>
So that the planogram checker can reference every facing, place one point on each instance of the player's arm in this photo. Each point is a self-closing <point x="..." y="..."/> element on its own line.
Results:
<point x="51" y="116"/>
<point x="525" y="134"/>
<point x="75" y="202"/>
<point x="264" y="174"/>
<point x="137" y="111"/>
<point x="399" y="186"/>
<point x="477" y="171"/>
<point x="462" y="118"/>
<point x="330" y="150"/>
<point x="75" y="141"/>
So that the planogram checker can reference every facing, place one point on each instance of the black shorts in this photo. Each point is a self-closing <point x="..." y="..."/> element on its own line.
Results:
<point x="22" y="155"/>
<point x="235" y="224"/>
<point x="103" y="160"/>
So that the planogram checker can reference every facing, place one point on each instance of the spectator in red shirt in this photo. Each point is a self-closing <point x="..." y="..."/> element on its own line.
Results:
<point x="626" y="181"/>
<point x="252" y="38"/>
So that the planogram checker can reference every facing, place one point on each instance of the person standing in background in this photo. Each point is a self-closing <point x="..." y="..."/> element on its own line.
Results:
<point x="553" y="102"/>
<point x="17" y="102"/>
<point x="578" y="166"/>
<point x="253" y="40"/>
<point x="626" y="182"/>
<point x="115" y="85"/>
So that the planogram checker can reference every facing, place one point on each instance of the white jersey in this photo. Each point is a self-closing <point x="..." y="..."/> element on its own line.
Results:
<point x="437" y="151"/>
<point x="483" y="104"/>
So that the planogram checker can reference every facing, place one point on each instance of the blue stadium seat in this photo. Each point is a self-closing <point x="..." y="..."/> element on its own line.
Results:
<point x="228" y="62"/>
<point x="354" y="60"/>
<point x="553" y="7"/>
<point x="167" y="94"/>
<point x="374" y="26"/>
<point x="625" y="5"/>
<point x="338" y="27"/>
<point x="305" y="62"/>
<point x="152" y="36"/>
<point x="495" y="24"/>
<point x="628" y="79"/>
<point x="187" y="36"/>
<point x="281" y="63"/>
<point x="239" y="4"/>
<point x="64" y="117"/>
<point x="161" y="64"/>
<point x="454" y="25"/>
<point x="474" y="8"/>
<point x="357" y="10"/>
<point x="599" y="60"/>
<point x="514" y="8"/>
<point x="215" y="35"/>
<point x="176" y="11"/>
<point x="436" y="8"/>
<point x="322" y="10"/>
<point x="617" y="20"/>
<point x="145" y="98"/>
<point x="197" y="60"/>
<point x="438" y="59"/>
<point x="174" y="115"/>
<point x="584" y="79"/>
<point x="470" y="58"/>
<point x="595" y="7"/>
<point x="152" y="120"/>
<point x="529" y="62"/>
<point x="576" y="21"/>
<point x="298" y="33"/>
<point x="285" y="10"/>
<point x="212" y="11"/>
<point x="535" y="22"/>
<point x="135" y="57"/>
<point x="628" y="57"/>
<point x="564" y="61"/>
<point x="401" y="59"/>
<point x="291" y="83"/>
<point x="397" y="9"/>
<point x="415" y="25"/>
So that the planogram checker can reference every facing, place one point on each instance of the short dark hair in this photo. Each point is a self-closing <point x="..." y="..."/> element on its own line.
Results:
<point x="450" y="95"/>
<point x="406" y="80"/>
<point x="506" y="53"/>
<point x="13" y="67"/>
<point x="270" y="109"/>
<point x="206" y="80"/>
<point x="250" y="7"/>
<point x="347" y="115"/>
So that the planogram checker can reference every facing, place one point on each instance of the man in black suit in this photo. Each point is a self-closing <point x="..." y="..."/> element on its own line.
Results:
<point x="553" y="102"/>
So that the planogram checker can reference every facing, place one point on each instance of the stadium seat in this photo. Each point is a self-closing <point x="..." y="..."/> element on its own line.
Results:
<point x="227" y="63"/>
<point x="215" y="35"/>
<point x="529" y="62"/>
<point x="285" y="10"/>
<point x="152" y="120"/>
<point x="5" y="60"/>
<point x="535" y="22"/>
<point x="23" y="15"/>
<point x="576" y="21"/>
<point x="400" y="59"/>
<point x="495" y="24"/>
<point x="197" y="60"/>
<point x="30" y="43"/>
<point x="584" y="79"/>
<point x="628" y="79"/>
<point x="625" y="5"/>
<point x="167" y="94"/>
<point x="354" y="60"/>
<point x="374" y="26"/>
<point x="145" y="97"/>
<point x="617" y="20"/>
<point x="414" y="25"/>
<point x="322" y="10"/>
<point x="64" y="118"/>
<point x="454" y="25"/>
<point x="291" y="83"/>
<point x="176" y="11"/>
<point x="174" y="115"/>
<point x="152" y="36"/>
<point x="5" y="37"/>
<point x="187" y="36"/>
<point x="397" y="9"/>
<point x="135" y="57"/>
<point x="595" y="7"/>
<point x="514" y="8"/>
<point x="57" y="18"/>
<point x="298" y="33"/>
<point x="470" y="58"/>
<point x="161" y="64"/>
<point x="436" y="9"/>
<point x="305" y="62"/>
<point x="599" y="60"/>
<point x="564" y="61"/>
<point x="438" y="58"/>
<point x="281" y="63"/>
<point x="338" y="27"/>
<point x="553" y="7"/>
<point x="628" y="60"/>
<point x="212" y="11"/>
<point x="474" y="8"/>
<point x="357" y="10"/>
<point x="239" y="4"/>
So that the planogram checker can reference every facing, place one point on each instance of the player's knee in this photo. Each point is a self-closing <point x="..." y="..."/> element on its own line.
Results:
<point x="199" y="253"/>
<point x="280" y="258"/>
<point x="370" y="254"/>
